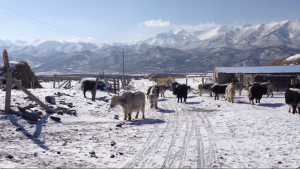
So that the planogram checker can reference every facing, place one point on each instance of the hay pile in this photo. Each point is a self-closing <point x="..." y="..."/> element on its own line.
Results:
<point x="23" y="72"/>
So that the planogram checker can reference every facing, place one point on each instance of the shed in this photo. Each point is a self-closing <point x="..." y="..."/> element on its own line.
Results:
<point x="278" y="74"/>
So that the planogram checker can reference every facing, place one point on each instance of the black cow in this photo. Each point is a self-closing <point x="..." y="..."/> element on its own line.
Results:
<point x="255" y="92"/>
<point x="292" y="98"/>
<point x="218" y="89"/>
<point x="181" y="91"/>
<point x="296" y="85"/>
<point x="88" y="85"/>
<point x="173" y="86"/>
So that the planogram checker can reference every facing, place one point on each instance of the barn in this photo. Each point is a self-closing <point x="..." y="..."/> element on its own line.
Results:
<point x="280" y="76"/>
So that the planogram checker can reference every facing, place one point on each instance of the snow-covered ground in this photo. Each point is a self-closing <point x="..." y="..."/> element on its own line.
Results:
<point x="199" y="133"/>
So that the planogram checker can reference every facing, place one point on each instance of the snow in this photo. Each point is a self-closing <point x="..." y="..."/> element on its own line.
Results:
<point x="201" y="133"/>
<point x="293" y="57"/>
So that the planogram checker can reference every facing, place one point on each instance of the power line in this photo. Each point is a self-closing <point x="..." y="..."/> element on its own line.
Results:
<point x="36" y="24"/>
<point x="39" y="21"/>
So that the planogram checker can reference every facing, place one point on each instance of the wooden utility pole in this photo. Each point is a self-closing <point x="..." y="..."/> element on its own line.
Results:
<point x="123" y="71"/>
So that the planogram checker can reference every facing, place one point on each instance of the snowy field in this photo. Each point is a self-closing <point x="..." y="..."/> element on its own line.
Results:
<point x="197" y="134"/>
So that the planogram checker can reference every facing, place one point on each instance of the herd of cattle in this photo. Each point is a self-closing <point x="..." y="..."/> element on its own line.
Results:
<point x="136" y="101"/>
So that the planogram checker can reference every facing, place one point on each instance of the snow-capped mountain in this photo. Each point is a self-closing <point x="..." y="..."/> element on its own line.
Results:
<point x="176" y="50"/>
<point x="170" y="37"/>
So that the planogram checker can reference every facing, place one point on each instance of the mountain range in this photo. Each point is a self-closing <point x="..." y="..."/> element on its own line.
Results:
<point x="172" y="51"/>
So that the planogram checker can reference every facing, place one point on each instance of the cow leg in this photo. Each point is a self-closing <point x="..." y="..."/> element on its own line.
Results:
<point x="294" y="109"/>
<point x="129" y="115"/>
<point x="125" y="114"/>
<point x="184" y="99"/>
<point x="178" y="100"/>
<point x="289" y="108"/>
<point x="272" y="93"/>
<point x="137" y="114"/>
<point x="299" y="110"/>
<point x="210" y="94"/>
<point x="84" y="93"/>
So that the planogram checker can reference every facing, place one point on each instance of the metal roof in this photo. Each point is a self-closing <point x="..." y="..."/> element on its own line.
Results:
<point x="260" y="69"/>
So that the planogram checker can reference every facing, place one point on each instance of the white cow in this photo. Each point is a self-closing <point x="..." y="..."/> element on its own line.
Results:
<point x="153" y="96"/>
<point x="230" y="92"/>
<point x="130" y="102"/>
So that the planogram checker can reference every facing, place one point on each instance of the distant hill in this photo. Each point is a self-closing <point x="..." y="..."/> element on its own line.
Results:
<point x="174" y="51"/>
<point x="290" y="60"/>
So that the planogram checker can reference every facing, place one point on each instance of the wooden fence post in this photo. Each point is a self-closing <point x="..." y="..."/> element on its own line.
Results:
<point x="54" y="80"/>
<point x="118" y="84"/>
<point x="8" y="90"/>
<point x="115" y="85"/>
<point x="32" y="86"/>
<point x="186" y="80"/>
<point x="95" y="89"/>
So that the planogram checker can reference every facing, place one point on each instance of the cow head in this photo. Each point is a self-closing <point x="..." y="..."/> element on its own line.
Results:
<point x="114" y="101"/>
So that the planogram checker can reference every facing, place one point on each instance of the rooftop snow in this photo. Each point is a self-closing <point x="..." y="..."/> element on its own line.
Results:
<point x="260" y="69"/>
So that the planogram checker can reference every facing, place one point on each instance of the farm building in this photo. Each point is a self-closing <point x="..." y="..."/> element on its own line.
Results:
<point x="280" y="76"/>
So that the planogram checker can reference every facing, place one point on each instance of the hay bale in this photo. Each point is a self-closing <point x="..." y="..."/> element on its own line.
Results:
<point x="23" y="72"/>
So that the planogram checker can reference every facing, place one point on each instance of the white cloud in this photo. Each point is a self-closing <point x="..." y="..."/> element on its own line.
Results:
<point x="155" y="23"/>
<point x="199" y="27"/>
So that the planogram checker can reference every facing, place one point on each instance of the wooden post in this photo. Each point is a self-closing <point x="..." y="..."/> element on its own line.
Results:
<point x="186" y="80"/>
<point x="63" y="84"/>
<point x="54" y="79"/>
<point x="70" y="83"/>
<point x="32" y="86"/>
<point x="202" y="80"/>
<point x="32" y="96"/>
<point x="115" y="85"/>
<point x="277" y="82"/>
<point x="8" y="90"/>
<point x="5" y="59"/>
<point x="95" y="89"/>
<point x="118" y="84"/>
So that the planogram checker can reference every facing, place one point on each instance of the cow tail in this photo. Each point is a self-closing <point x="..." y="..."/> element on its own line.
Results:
<point x="82" y="86"/>
<point x="250" y="92"/>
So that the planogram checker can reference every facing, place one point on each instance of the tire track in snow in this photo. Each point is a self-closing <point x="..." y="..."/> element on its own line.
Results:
<point x="151" y="144"/>
<point x="166" y="163"/>
<point x="212" y="145"/>
<point x="181" y="154"/>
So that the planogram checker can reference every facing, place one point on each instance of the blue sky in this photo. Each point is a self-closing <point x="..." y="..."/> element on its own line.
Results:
<point x="105" y="21"/>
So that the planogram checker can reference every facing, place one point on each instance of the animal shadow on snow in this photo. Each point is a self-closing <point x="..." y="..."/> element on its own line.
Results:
<point x="38" y="129"/>
<point x="271" y="104"/>
<point x="192" y="102"/>
<point x="165" y="111"/>
<point x="191" y="96"/>
<point x="146" y="121"/>
<point x="161" y="100"/>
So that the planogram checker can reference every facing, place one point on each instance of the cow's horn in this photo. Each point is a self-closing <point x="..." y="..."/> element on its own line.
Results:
<point x="109" y="94"/>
